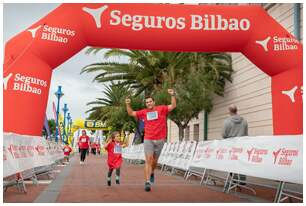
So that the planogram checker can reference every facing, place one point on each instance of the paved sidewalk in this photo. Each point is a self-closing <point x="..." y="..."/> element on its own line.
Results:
<point x="87" y="183"/>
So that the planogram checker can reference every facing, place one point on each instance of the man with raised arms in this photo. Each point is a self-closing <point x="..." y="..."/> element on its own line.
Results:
<point x="155" y="127"/>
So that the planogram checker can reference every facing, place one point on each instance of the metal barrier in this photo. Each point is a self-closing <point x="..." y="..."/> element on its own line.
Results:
<point x="32" y="174"/>
<point x="44" y="170"/>
<point x="283" y="194"/>
<point x="11" y="181"/>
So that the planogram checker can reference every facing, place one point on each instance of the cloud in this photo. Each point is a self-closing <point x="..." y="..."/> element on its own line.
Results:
<point x="78" y="88"/>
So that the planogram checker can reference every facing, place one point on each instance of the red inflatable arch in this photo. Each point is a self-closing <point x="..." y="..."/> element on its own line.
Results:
<point x="31" y="56"/>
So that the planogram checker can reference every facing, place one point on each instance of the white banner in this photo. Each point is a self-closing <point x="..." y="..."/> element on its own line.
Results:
<point x="177" y="154"/>
<point x="272" y="157"/>
<point x="134" y="152"/>
<point x="185" y="155"/>
<point x="180" y="155"/>
<point x="172" y="153"/>
<point x="163" y="154"/>
<point x="22" y="152"/>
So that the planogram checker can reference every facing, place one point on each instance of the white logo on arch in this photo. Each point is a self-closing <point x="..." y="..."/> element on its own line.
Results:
<point x="279" y="43"/>
<point x="6" y="79"/>
<point x="33" y="31"/>
<point x="264" y="43"/>
<point x="290" y="93"/>
<point x="96" y="14"/>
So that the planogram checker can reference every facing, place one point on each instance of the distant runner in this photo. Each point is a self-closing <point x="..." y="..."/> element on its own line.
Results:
<point x="67" y="150"/>
<point x="84" y="143"/>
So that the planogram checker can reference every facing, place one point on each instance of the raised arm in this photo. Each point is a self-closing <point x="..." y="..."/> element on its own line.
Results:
<point x="173" y="100"/>
<point x="107" y="143"/>
<point x="129" y="109"/>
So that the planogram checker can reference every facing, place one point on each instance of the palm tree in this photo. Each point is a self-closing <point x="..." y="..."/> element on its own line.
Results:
<point x="105" y="107"/>
<point x="145" y="72"/>
<point x="216" y="67"/>
<point x="205" y="77"/>
<point x="111" y="110"/>
<point x="195" y="76"/>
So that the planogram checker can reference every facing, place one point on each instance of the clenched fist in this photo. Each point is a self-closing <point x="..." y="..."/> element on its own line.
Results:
<point x="171" y="92"/>
<point x="127" y="100"/>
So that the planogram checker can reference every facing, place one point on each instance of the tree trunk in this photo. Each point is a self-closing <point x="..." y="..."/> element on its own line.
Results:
<point x="146" y="92"/>
<point x="181" y="129"/>
<point x="181" y="132"/>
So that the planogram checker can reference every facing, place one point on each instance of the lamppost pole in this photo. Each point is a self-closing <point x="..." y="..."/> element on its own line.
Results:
<point x="65" y="109"/>
<point x="68" y="122"/>
<point x="58" y="95"/>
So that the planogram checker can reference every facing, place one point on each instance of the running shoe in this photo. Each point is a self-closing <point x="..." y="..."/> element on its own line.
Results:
<point x="147" y="187"/>
<point x="117" y="180"/>
<point x="152" y="178"/>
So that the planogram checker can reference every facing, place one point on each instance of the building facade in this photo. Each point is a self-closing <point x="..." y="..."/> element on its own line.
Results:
<point x="250" y="89"/>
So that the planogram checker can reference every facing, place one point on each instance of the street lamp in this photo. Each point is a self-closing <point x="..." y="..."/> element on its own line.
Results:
<point x="58" y="95"/>
<point x="70" y="125"/>
<point x="68" y="121"/>
<point x="65" y="109"/>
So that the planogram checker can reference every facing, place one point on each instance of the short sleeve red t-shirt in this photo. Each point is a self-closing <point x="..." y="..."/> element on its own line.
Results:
<point x="114" y="159"/>
<point x="155" y="122"/>
<point x="67" y="150"/>
<point x="84" y="142"/>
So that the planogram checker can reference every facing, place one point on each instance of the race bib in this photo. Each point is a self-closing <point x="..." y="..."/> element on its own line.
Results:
<point x="83" y="140"/>
<point x="117" y="149"/>
<point x="152" y="115"/>
<point x="66" y="150"/>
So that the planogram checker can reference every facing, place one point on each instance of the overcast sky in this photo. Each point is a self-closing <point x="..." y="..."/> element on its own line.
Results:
<point x="78" y="89"/>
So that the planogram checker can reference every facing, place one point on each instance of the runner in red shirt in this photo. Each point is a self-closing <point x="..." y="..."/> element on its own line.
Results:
<point x="155" y="127"/>
<point x="114" y="159"/>
<point x="84" y="142"/>
<point x="67" y="150"/>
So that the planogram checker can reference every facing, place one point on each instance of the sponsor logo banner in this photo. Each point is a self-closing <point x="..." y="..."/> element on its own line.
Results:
<point x="21" y="152"/>
<point x="277" y="43"/>
<point x="53" y="33"/>
<point x="182" y="155"/>
<point x="178" y="154"/>
<point x="94" y="124"/>
<point x="25" y="83"/>
<point x="271" y="157"/>
<point x="134" y="152"/>
<point x="206" y="22"/>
